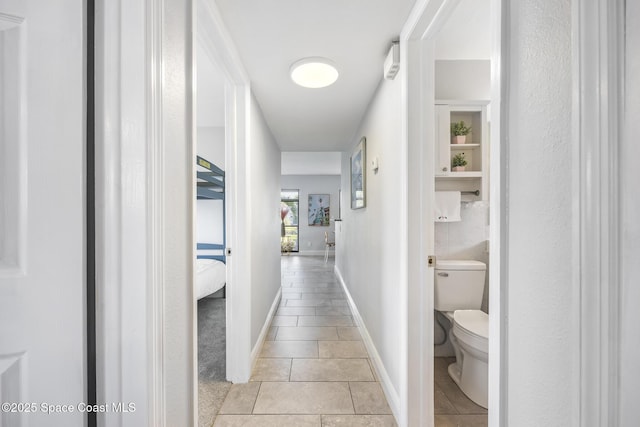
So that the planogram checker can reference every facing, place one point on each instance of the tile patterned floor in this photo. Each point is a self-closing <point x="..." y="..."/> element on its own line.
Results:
<point x="451" y="406"/>
<point x="313" y="369"/>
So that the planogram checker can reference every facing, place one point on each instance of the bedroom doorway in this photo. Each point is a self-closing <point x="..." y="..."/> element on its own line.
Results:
<point x="210" y="234"/>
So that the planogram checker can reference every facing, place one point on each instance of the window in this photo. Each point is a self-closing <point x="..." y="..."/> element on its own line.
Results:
<point x="289" y="204"/>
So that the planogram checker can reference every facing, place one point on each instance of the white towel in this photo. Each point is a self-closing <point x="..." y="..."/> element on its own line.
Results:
<point x="447" y="206"/>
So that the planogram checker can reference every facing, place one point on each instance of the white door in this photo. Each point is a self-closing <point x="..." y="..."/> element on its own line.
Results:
<point x="42" y="196"/>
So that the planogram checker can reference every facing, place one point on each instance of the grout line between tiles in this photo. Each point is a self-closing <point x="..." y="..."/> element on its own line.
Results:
<point x="353" y="405"/>
<point x="256" y="399"/>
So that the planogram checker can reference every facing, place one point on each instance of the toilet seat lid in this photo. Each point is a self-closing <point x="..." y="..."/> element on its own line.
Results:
<point x="475" y="322"/>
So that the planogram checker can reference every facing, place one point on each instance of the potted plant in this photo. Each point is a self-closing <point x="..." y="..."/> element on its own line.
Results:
<point x="458" y="162"/>
<point x="459" y="132"/>
<point x="286" y="245"/>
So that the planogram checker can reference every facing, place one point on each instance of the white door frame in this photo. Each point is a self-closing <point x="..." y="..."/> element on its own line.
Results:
<point x="127" y="116"/>
<point x="144" y="122"/>
<point x="629" y="152"/>
<point x="219" y="46"/>
<point x="143" y="272"/>
<point x="599" y="144"/>
<point x="417" y="41"/>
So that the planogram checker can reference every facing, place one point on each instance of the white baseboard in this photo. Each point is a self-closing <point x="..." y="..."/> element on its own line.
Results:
<point x="390" y="392"/>
<point x="265" y="329"/>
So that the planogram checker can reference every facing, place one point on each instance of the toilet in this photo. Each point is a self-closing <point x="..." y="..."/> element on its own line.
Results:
<point x="459" y="286"/>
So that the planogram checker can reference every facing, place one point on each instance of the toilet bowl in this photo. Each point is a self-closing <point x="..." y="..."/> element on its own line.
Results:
<point x="470" y="339"/>
<point x="459" y="287"/>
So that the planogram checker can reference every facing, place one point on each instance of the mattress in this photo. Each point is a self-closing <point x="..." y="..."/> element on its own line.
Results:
<point x="211" y="275"/>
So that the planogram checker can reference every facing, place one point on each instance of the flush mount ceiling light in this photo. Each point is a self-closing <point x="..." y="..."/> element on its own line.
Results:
<point x="314" y="72"/>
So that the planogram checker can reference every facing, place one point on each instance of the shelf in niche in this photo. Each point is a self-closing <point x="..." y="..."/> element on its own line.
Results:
<point x="459" y="175"/>
<point x="463" y="146"/>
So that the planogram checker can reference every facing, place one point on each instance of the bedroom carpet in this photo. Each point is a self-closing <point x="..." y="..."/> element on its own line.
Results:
<point x="212" y="339"/>
<point x="212" y="386"/>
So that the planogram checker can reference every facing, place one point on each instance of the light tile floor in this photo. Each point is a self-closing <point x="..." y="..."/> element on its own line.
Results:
<point x="451" y="406"/>
<point x="313" y="369"/>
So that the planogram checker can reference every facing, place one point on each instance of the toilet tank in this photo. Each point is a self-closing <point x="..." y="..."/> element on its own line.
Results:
<point x="459" y="285"/>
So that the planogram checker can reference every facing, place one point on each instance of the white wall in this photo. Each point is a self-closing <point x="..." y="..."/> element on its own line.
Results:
<point x="311" y="238"/>
<point x="463" y="79"/>
<point x="311" y="163"/>
<point x="264" y="204"/>
<point x="211" y="141"/>
<point x="209" y="220"/>
<point x="466" y="34"/>
<point x="367" y="254"/>
<point x="540" y="342"/>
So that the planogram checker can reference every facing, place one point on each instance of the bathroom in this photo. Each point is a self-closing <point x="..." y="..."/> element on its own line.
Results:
<point x="461" y="217"/>
<point x="461" y="233"/>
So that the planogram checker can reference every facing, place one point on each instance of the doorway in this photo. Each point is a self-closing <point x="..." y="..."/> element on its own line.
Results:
<point x="210" y="278"/>
<point x="449" y="83"/>
<point x="211" y="35"/>
<point x="289" y="213"/>
<point x="462" y="92"/>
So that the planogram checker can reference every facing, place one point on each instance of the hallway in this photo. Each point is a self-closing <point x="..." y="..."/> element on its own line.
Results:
<point x="313" y="369"/>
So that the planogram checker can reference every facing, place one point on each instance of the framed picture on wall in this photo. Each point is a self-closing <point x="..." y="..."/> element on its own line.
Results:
<point x="358" y="175"/>
<point x="319" y="209"/>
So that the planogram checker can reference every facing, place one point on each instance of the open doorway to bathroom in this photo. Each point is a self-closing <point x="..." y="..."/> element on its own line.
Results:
<point x="453" y="77"/>
<point x="462" y="91"/>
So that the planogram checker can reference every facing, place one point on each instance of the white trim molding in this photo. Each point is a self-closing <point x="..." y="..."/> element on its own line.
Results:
<point x="218" y="44"/>
<point x="629" y="224"/>
<point x="143" y="124"/>
<point x="598" y="100"/>
<point x="156" y="381"/>
<point x="123" y="323"/>
<point x="498" y="256"/>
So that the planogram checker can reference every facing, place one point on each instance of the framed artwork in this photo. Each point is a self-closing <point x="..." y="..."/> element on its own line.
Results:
<point x="319" y="210"/>
<point x="358" y="175"/>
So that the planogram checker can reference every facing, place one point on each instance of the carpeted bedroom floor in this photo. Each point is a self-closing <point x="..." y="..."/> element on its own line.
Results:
<point x="212" y="341"/>
<point x="212" y="387"/>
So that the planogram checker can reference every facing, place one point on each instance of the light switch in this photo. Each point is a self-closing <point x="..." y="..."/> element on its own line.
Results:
<point x="374" y="164"/>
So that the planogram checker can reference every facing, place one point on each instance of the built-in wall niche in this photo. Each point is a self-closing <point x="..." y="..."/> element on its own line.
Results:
<point x="13" y="170"/>
<point x="474" y="150"/>
<point x="471" y="149"/>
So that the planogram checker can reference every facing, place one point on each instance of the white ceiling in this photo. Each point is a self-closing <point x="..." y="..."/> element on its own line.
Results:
<point x="273" y="34"/>
<point x="356" y="34"/>
<point x="311" y="163"/>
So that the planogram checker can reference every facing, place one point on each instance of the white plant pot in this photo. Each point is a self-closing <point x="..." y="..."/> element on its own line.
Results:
<point x="458" y="168"/>
<point x="459" y="139"/>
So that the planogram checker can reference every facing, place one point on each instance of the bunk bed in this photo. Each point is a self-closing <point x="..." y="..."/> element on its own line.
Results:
<point x="210" y="259"/>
